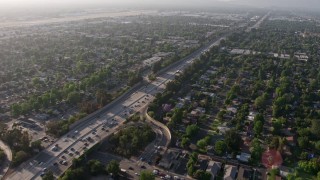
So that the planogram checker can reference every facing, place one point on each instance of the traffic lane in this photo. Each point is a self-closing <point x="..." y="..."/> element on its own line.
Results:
<point x="79" y="147"/>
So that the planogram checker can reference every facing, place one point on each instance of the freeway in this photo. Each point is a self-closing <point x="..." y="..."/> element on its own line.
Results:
<point x="58" y="157"/>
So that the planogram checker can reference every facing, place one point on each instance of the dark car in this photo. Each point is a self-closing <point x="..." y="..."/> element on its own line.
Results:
<point x="143" y="167"/>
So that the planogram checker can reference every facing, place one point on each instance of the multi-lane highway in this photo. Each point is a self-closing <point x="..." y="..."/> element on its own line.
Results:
<point x="58" y="157"/>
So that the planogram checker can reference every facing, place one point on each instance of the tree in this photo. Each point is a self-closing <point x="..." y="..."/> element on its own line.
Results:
<point x="303" y="142"/>
<point x="276" y="126"/>
<point x="20" y="157"/>
<point x="95" y="167"/>
<point x="146" y="175"/>
<point x="312" y="166"/>
<point x="220" y="147"/>
<point x="16" y="109"/>
<point x="103" y="97"/>
<point x="259" y="117"/>
<point x="221" y="114"/>
<point x="261" y="101"/>
<point x="48" y="176"/>
<point x="185" y="142"/>
<point x="36" y="145"/>
<point x="73" y="97"/>
<point x="177" y="116"/>
<point x="113" y="167"/>
<point x="190" y="170"/>
<point x="233" y="140"/>
<point x="317" y="145"/>
<point x="203" y="175"/>
<point x="258" y="128"/>
<point x="192" y="130"/>
<point x="78" y="173"/>
<point x="57" y="128"/>
<point x="256" y="150"/>
<point x="191" y="162"/>
<point x="77" y="163"/>
<point x="315" y="128"/>
<point x="202" y="143"/>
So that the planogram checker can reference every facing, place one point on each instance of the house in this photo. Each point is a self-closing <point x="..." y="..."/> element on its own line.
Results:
<point x="194" y="113"/>
<point x="223" y="129"/>
<point x="230" y="172"/>
<point x="291" y="141"/>
<point x="251" y="116"/>
<point x="214" y="169"/>
<point x="244" y="157"/>
<point x="278" y="178"/>
<point x="244" y="174"/>
<point x="237" y="51"/>
<point x="284" y="171"/>
<point x="301" y="56"/>
<point x="151" y="61"/>
<point x="232" y="109"/>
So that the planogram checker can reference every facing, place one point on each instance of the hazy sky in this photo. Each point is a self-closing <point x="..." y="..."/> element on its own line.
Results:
<point x="313" y="4"/>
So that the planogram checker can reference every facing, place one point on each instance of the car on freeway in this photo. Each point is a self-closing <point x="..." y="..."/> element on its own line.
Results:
<point x="72" y="149"/>
<point x="89" y="139"/>
<point x="54" y="148"/>
<point x="155" y="171"/>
